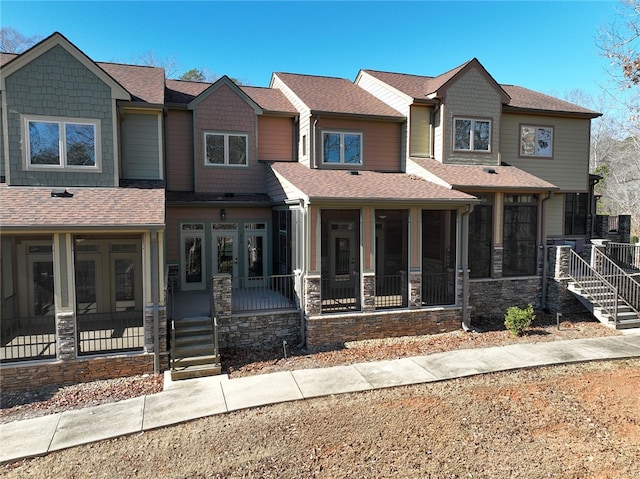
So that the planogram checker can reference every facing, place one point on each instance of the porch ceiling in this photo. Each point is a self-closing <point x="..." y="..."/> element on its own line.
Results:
<point x="35" y="207"/>
<point x="343" y="185"/>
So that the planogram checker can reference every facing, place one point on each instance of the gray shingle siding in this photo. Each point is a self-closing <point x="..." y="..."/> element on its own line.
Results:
<point x="56" y="84"/>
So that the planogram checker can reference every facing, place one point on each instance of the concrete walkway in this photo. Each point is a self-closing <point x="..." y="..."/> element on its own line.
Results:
<point x="195" y="398"/>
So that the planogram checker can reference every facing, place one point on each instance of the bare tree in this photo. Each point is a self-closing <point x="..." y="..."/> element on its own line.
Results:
<point x="149" y="58"/>
<point x="13" y="41"/>
<point x="620" y="43"/>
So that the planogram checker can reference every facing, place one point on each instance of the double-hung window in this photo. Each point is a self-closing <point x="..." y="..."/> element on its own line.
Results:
<point x="62" y="143"/>
<point x="470" y="134"/>
<point x="341" y="148"/>
<point x="230" y="149"/>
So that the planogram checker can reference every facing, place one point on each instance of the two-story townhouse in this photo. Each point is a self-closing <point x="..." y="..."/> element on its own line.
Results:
<point x="219" y="216"/>
<point x="523" y="154"/>
<point x="82" y="217"/>
<point x="375" y="238"/>
<point x="317" y="210"/>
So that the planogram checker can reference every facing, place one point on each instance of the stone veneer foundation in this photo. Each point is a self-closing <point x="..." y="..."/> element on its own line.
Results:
<point x="34" y="375"/>
<point x="337" y="328"/>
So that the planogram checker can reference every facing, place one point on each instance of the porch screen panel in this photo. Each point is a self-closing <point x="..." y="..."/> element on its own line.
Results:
<point x="438" y="257"/>
<point x="27" y="328"/>
<point x="520" y="234"/>
<point x="108" y="278"/>
<point x="392" y="258"/>
<point x="340" y="260"/>
<point x="481" y="238"/>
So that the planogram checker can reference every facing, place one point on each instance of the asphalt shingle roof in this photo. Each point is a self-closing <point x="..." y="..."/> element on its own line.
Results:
<point x="144" y="83"/>
<point x="34" y="207"/>
<point x="336" y="95"/>
<point x="419" y="87"/>
<point x="269" y="99"/>
<point x="472" y="177"/>
<point x="366" y="185"/>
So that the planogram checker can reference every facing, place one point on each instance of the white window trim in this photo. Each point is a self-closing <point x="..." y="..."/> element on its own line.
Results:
<point x="341" y="133"/>
<point x="188" y="233"/>
<point x="534" y="154"/>
<point x="226" y="135"/>
<point x="62" y="147"/>
<point x="472" y="132"/>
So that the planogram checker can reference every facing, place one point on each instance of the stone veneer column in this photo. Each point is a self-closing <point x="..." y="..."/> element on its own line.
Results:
<point x="313" y="301"/>
<point x="496" y="261"/>
<point x="415" y="290"/>
<point x="66" y="335"/>
<point x="368" y="292"/>
<point x="559" y="298"/>
<point x="460" y="280"/>
<point x="221" y="290"/>
<point x="624" y="228"/>
<point x="596" y="259"/>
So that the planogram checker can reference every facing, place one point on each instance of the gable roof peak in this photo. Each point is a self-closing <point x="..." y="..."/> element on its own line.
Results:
<point x="224" y="80"/>
<point x="58" y="39"/>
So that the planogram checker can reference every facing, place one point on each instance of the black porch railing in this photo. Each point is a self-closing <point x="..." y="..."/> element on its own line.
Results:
<point x="258" y="293"/>
<point x="391" y="291"/>
<point x="340" y="294"/>
<point x="110" y="332"/>
<point x="626" y="256"/>
<point x="27" y="339"/>
<point x="438" y="289"/>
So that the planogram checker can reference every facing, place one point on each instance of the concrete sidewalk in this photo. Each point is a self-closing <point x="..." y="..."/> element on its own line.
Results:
<point x="195" y="398"/>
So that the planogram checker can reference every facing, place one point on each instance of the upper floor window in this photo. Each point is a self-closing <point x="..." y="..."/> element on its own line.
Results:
<point x="471" y="134"/>
<point x="62" y="143"/>
<point x="231" y="149"/>
<point x="341" y="148"/>
<point x="536" y="141"/>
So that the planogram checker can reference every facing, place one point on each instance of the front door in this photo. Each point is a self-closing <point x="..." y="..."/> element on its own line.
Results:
<point x="225" y="253"/>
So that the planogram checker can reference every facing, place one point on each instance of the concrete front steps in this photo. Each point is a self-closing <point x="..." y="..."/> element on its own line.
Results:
<point x="627" y="317"/>
<point x="193" y="352"/>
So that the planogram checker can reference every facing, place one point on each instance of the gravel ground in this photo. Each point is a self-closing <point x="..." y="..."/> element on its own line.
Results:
<point x="577" y="421"/>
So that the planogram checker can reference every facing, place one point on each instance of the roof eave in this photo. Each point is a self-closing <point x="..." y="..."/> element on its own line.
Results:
<point x="404" y="201"/>
<point x="49" y="228"/>
<point x="466" y="188"/>
<point x="361" y="116"/>
<point x="542" y="112"/>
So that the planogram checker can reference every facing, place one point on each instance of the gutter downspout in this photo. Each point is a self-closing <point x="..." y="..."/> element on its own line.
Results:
<point x="545" y="259"/>
<point x="302" y="268"/>
<point x="314" y="163"/>
<point x="154" y="300"/>
<point x="432" y="145"/>
<point x="466" y="322"/>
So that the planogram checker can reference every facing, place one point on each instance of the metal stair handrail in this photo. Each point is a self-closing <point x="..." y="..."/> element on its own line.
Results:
<point x="601" y="292"/>
<point x="628" y="287"/>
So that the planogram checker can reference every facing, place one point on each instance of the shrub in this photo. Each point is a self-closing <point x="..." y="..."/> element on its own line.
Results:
<point x="517" y="319"/>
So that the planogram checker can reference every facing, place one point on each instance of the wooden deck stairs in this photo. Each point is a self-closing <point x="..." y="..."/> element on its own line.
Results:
<point x="194" y="348"/>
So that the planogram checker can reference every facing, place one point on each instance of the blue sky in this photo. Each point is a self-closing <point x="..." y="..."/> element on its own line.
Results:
<point x="545" y="46"/>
